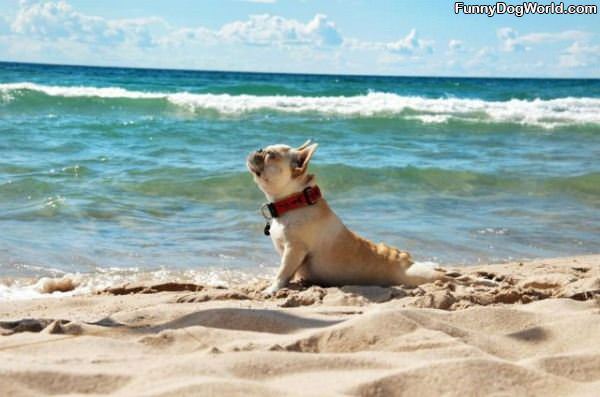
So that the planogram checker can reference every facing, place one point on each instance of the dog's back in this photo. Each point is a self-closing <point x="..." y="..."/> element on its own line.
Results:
<point x="337" y="256"/>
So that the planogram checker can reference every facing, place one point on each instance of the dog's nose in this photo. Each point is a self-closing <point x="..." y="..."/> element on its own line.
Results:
<point x="256" y="157"/>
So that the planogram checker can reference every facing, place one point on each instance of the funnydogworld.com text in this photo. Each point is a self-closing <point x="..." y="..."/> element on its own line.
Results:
<point x="525" y="8"/>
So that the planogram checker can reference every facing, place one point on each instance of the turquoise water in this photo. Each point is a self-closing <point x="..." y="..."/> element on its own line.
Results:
<point x="108" y="168"/>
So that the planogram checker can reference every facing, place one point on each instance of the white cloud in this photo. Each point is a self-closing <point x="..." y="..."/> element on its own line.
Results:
<point x="269" y="29"/>
<point x="509" y="38"/>
<point x="183" y="36"/>
<point x="483" y="57"/>
<point x="567" y="35"/>
<point x="580" y="55"/>
<point x="55" y="21"/>
<point x="410" y="44"/>
<point x="58" y="20"/>
<point x="513" y="41"/>
<point x="261" y="30"/>
<point x="455" y="45"/>
<point x="272" y="30"/>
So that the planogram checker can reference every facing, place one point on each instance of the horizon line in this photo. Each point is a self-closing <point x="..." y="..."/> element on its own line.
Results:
<point x="294" y="73"/>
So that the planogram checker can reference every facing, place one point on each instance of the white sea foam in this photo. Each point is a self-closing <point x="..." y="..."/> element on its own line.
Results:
<point x="19" y="289"/>
<point x="538" y="112"/>
<point x="68" y="284"/>
<point x="79" y="91"/>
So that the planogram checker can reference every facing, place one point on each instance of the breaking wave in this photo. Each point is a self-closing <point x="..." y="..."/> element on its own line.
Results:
<point x="546" y="113"/>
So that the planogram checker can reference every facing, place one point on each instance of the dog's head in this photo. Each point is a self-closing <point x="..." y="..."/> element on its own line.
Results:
<point x="280" y="170"/>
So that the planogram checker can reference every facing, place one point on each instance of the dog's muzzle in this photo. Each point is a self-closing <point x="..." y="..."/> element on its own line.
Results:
<point x="256" y="162"/>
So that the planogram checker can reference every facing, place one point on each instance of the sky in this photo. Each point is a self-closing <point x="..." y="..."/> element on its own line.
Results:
<point x="388" y="37"/>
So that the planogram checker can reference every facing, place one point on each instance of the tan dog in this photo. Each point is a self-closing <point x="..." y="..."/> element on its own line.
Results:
<point x="314" y="244"/>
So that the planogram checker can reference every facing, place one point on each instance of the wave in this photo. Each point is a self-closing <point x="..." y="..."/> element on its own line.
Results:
<point x="342" y="178"/>
<point x="546" y="113"/>
<point x="236" y="188"/>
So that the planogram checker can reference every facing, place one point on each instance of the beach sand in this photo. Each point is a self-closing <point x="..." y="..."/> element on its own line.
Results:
<point x="503" y="330"/>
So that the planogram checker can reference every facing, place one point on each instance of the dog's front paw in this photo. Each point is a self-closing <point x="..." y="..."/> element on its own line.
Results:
<point x="272" y="289"/>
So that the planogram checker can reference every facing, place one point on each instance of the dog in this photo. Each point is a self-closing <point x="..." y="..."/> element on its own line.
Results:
<point x="314" y="245"/>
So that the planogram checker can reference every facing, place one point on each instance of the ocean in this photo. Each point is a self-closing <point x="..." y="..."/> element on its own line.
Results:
<point x="111" y="173"/>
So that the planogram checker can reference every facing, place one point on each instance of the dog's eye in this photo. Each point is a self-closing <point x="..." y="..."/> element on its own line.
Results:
<point x="272" y="154"/>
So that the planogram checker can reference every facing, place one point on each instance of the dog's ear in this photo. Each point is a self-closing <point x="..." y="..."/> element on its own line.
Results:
<point x="304" y="145"/>
<point x="302" y="157"/>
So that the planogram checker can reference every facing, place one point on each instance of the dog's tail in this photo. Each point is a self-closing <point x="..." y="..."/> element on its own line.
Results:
<point x="426" y="272"/>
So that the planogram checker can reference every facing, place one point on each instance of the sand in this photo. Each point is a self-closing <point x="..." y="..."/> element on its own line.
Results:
<point x="526" y="329"/>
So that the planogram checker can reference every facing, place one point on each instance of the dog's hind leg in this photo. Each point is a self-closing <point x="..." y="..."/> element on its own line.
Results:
<point x="302" y="274"/>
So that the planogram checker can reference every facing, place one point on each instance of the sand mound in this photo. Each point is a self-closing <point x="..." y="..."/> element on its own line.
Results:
<point x="582" y="367"/>
<point x="55" y="382"/>
<point x="256" y="320"/>
<point x="446" y="378"/>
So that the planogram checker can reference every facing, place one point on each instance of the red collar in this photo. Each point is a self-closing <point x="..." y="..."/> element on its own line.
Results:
<point x="308" y="196"/>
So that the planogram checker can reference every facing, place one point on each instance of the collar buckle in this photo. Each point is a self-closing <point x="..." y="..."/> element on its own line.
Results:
<point x="268" y="211"/>
<point x="308" y="195"/>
